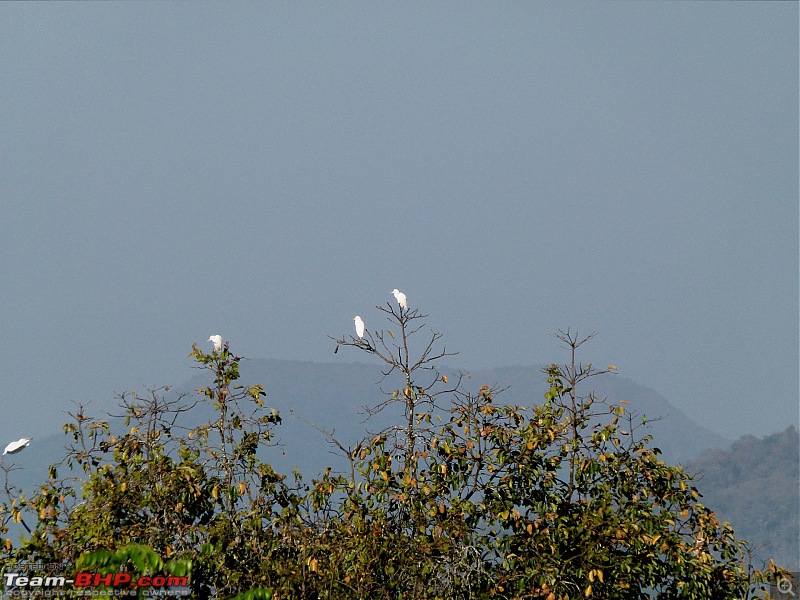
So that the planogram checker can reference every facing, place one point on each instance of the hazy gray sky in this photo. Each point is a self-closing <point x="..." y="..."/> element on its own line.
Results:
<point x="268" y="170"/>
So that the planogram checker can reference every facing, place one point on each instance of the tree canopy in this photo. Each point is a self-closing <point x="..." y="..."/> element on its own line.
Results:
<point x="465" y="497"/>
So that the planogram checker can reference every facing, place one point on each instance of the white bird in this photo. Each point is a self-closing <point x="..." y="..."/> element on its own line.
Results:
<point x="15" y="447"/>
<point x="401" y="298"/>
<point x="217" y="341"/>
<point x="359" y="326"/>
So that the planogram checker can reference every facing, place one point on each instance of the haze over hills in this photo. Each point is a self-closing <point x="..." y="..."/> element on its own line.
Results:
<point x="332" y="397"/>
<point x="678" y="436"/>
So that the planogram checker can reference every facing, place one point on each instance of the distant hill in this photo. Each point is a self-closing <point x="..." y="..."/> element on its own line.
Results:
<point x="755" y="486"/>
<point x="678" y="436"/>
<point x="332" y="397"/>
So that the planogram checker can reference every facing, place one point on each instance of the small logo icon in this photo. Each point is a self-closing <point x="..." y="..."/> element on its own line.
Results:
<point x="786" y="587"/>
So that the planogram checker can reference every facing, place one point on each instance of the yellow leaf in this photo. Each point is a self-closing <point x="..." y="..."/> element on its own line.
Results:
<point x="772" y="566"/>
<point x="444" y="378"/>
<point x="588" y="591"/>
<point x="612" y="367"/>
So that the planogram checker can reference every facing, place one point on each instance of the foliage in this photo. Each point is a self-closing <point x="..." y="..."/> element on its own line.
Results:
<point x="463" y="498"/>
<point x="181" y="493"/>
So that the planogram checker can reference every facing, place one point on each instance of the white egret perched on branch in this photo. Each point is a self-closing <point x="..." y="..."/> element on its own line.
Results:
<point x="217" y="341"/>
<point x="359" y="326"/>
<point x="401" y="298"/>
<point x="15" y="447"/>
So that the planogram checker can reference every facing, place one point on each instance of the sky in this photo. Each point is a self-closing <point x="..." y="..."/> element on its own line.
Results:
<point x="265" y="171"/>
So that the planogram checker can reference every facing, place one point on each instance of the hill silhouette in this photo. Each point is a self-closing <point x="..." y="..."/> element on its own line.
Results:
<point x="332" y="397"/>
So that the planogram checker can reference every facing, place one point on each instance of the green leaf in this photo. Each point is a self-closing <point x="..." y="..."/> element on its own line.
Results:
<point x="256" y="594"/>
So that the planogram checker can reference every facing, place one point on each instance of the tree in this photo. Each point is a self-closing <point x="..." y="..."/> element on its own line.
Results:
<point x="204" y="496"/>
<point x="463" y="497"/>
<point x="556" y="501"/>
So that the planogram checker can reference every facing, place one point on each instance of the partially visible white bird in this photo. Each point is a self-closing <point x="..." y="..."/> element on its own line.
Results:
<point x="359" y="326"/>
<point x="217" y="341"/>
<point x="401" y="298"/>
<point x="15" y="447"/>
